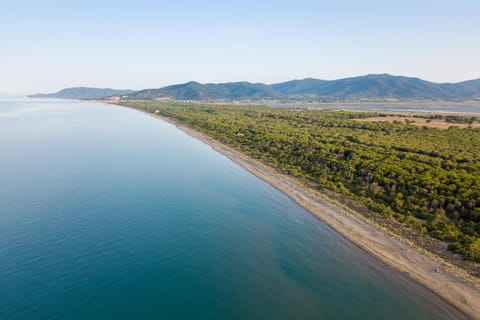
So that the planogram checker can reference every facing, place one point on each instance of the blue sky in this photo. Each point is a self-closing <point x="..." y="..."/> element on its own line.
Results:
<point x="48" y="45"/>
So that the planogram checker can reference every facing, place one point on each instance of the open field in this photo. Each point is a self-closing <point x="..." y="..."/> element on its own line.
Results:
<point x="420" y="122"/>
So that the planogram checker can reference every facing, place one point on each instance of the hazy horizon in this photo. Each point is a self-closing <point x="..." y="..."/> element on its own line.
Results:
<point x="11" y="94"/>
<point x="146" y="44"/>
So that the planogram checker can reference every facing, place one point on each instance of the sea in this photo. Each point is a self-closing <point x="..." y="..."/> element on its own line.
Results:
<point x="109" y="213"/>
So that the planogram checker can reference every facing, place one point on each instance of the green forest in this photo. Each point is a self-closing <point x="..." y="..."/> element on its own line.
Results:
<point x="427" y="178"/>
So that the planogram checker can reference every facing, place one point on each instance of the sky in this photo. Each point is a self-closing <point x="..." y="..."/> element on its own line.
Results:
<point x="49" y="45"/>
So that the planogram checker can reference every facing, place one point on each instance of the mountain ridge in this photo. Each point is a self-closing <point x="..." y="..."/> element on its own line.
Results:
<point x="371" y="86"/>
<point x="367" y="87"/>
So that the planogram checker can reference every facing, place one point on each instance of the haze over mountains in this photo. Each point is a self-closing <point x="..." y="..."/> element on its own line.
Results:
<point x="82" y="93"/>
<point x="375" y="87"/>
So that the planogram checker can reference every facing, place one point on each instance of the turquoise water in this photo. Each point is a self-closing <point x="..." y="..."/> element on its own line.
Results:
<point x="108" y="213"/>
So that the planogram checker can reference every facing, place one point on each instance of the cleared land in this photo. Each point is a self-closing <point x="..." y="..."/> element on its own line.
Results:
<point x="420" y="122"/>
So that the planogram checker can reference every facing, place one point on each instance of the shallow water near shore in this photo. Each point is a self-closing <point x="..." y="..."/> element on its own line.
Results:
<point x="107" y="213"/>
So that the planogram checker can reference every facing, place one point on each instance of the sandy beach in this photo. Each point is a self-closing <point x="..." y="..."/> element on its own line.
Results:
<point x="451" y="283"/>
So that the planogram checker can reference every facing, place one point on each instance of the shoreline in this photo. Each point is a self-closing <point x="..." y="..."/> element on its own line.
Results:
<point x="452" y="284"/>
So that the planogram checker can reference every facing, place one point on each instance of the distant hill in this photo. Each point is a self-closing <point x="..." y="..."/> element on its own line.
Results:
<point x="382" y="86"/>
<point x="374" y="86"/>
<point x="210" y="91"/>
<point x="298" y="87"/>
<point x="82" y="93"/>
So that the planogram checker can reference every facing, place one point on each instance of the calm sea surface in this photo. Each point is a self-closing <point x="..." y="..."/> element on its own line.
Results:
<point x="108" y="213"/>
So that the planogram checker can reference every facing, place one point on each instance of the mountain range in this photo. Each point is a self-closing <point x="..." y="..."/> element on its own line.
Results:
<point x="375" y="86"/>
<point x="82" y="93"/>
<point x="371" y="87"/>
